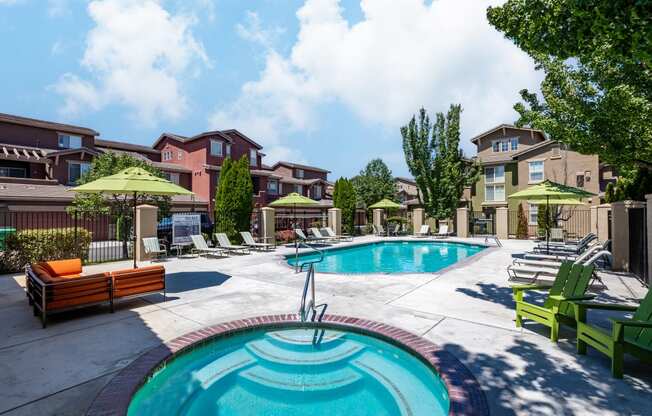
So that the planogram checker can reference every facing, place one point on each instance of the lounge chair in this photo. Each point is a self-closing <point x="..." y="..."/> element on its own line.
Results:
<point x="318" y="235"/>
<point x="250" y="242"/>
<point x="224" y="243"/>
<point x="305" y="238"/>
<point x="343" y="237"/>
<point x="200" y="247"/>
<point x="555" y="262"/>
<point x="423" y="231"/>
<point x="443" y="231"/>
<point x="564" y="255"/>
<point x="554" y="247"/>
<point x="570" y="284"/>
<point x="632" y="336"/>
<point x="379" y="230"/>
<point x="154" y="247"/>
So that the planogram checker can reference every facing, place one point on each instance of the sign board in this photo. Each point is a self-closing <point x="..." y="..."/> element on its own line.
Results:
<point x="183" y="226"/>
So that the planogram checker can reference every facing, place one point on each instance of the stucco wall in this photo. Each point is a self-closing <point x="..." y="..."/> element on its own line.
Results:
<point x="526" y="140"/>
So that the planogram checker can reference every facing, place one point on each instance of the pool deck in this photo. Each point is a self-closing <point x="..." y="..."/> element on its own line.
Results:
<point x="466" y="309"/>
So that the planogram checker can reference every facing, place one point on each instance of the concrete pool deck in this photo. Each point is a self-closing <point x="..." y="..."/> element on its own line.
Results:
<point x="467" y="310"/>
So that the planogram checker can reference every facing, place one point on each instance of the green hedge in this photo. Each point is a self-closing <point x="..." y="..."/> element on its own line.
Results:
<point x="29" y="246"/>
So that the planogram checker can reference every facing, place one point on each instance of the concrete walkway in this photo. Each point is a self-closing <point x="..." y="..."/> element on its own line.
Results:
<point x="467" y="309"/>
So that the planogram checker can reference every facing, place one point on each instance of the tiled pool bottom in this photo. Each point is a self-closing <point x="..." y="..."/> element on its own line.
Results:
<point x="390" y="257"/>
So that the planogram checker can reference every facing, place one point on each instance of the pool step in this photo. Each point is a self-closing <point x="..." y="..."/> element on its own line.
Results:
<point x="217" y="370"/>
<point x="267" y="351"/>
<point x="330" y="382"/>
<point x="306" y="339"/>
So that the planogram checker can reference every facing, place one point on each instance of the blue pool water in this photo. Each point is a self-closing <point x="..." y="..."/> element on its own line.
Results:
<point x="391" y="257"/>
<point x="293" y="372"/>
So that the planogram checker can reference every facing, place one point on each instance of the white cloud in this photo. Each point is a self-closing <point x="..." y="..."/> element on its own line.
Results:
<point x="58" y="8"/>
<point x="137" y="55"/>
<point x="399" y="57"/>
<point x="252" y="30"/>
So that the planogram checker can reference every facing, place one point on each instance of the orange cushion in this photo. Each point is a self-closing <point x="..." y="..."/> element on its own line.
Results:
<point x="62" y="267"/>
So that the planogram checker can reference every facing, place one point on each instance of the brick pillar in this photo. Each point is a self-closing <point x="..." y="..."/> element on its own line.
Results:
<point x="378" y="217"/>
<point x="602" y="221"/>
<point x="417" y="219"/>
<point x="620" y="232"/>
<point x="594" y="219"/>
<point x="268" y="225"/>
<point x="335" y="220"/>
<point x="147" y="223"/>
<point x="462" y="222"/>
<point x="502" y="222"/>
<point x="649" y="236"/>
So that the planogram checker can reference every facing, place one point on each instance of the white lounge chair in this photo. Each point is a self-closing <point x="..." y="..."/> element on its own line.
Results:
<point x="533" y="272"/>
<point x="305" y="238"/>
<point x="443" y="231"/>
<point x="154" y="247"/>
<point x="249" y="241"/>
<point x="561" y="256"/>
<point x="224" y="243"/>
<point x="423" y="231"/>
<point x="379" y="230"/>
<point x="343" y="237"/>
<point x="318" y="235"/>
<point x="200" y="247"/>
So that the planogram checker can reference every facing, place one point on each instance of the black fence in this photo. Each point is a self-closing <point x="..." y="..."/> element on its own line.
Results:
<point x="575" y="223"/>
<point x="300" y="219"/>
<point x="638" y="243"/>
<point x="482" y="223"/>
<point x="28" y="236"/>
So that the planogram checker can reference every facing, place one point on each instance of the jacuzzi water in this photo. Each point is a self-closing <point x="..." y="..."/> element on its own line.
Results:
<point x="293" y="372"/>
<point x="390" y="257"/>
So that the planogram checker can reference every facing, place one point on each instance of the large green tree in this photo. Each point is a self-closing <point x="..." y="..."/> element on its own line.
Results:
<point x="374" y="183"/>
<point x="344" y="198"/>
<point x="233" y="198"/>
<point x="597" y="60"/>
<point x="435" y="160"/>
<point x="120" y="207"/>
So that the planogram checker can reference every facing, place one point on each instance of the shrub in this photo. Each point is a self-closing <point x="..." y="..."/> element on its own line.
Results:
<point x="397" y="220"/>
<point x="29" y="246"/>
<point x="522" y="228"/>
<point x="285" y="236"/>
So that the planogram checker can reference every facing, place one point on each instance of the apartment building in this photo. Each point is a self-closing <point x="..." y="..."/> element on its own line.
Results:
<point x="41" y="160"/>
<point x="513" y="158"/>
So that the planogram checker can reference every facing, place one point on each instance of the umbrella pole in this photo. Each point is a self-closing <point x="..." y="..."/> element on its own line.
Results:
<point x="547" y="224"/>
<point x="134" y="248"/>
<point x="296" y="239"/>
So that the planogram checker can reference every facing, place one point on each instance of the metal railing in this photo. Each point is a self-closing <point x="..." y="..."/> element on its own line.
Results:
<point x="309" y="284"/>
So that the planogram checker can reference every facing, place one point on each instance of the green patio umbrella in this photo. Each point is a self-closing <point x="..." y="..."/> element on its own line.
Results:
<point x="552" y="193"/>
<point x="294" y="200"/>
<point x="385" y="204"/>
<point x="132" y="181"/>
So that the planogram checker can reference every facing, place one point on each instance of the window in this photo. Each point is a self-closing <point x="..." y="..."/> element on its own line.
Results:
<point x="514" y="142"/>
<point x="76" y="170"/>
<point x="536" y="171"/>
<point x="496" y="146"/>
<point x="316" y="191"/>
<point x="579" y="180"/>
<point x="172" y="177"/>
<point x="555" y="151"/>
<point x="228" y="150"/>
<point x="179" y="155"/>
<point x="298" y="189"/>
<point x="494" y="183"/>
<point x="272" y="187"/>
<point x="299" y="173"/>
<point x="67" y="141"/>
<point x="533" y="214"/>
<point x="253" y="157"/>
<point x="167" y="155"/>
<point x="13" y="172"/>
<point x="216" y="148"/>
<point x="505" y="145"/>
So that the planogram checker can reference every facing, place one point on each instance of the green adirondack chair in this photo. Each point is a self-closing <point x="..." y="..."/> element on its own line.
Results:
<point x="632" y="336"/>
<point x="571" y="283"/>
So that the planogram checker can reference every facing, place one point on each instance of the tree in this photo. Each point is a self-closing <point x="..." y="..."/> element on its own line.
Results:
<point x="374" y="183"/>
<point x="435" y="160"/>
<point x="344" y="198"/>
<point x="522" y="228"/>
<point x="597" y="59"/>
<point x="120" y="207"/>
<point x="233" y="203"/>
<point x="544" y="218"/>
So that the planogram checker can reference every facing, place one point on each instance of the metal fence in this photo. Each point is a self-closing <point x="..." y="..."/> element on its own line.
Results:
<point x="288" y="220"/>
<point x="638" y="243"/>
<point x="575" y="223"/>
<point x="482" y="223"/>
<point x="49" y="235"/>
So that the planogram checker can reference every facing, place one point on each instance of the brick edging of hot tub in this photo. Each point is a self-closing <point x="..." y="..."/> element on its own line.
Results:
<point x="466" y="396"/>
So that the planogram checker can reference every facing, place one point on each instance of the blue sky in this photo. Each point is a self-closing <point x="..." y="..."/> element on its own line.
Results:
<point x="323" y="82"/>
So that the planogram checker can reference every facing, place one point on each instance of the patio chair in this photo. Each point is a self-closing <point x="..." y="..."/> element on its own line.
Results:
<point x="555" y="262"/>
<point x="581" y="245"/>
<point x="632" y="336"/>
<point x="154" y="247"/>
<point x="561" y="256"/>
<point x="201" y="247"/>
<point x="379" y="230"/>
<point x="423" y="231"/>
<point x="570" y="284"/>
<point x="305" y="238"/>
<point x="343" y="237"/>
<point x="224" y="243"/>
<point x="318" y="235"/>
<point x="249" y="241"/>
<point x="443" y="231"/>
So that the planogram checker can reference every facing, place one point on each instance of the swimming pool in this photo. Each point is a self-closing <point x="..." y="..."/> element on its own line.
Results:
<point x="390" y="257"/>
<point x="292" y="372"/>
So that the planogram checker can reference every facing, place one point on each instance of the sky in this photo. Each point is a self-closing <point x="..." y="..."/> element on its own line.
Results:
<point x="323" y="82"/>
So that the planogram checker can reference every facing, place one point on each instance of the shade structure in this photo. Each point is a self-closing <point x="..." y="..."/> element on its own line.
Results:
<point x="132" y="181"/>
<point x="552" y="193"/>
<point x="385" y="204"/>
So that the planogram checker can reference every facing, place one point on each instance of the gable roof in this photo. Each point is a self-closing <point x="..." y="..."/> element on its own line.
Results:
<point x="49" y="125"/>
<point x="541" y="145"/>
<point x="224" y="134"/>
<point x="405" y="180"/>
<point x="298" y="166"/>
<point x="505" y="126"/>
<point x="111" y="144"/>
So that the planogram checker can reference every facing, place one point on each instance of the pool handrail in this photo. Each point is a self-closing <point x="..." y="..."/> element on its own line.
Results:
<point x="309" y="284"/>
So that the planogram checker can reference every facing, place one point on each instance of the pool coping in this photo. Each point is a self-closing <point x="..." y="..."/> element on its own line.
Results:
<point x="465" y="394"/>
<point x="283" y="258"/>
